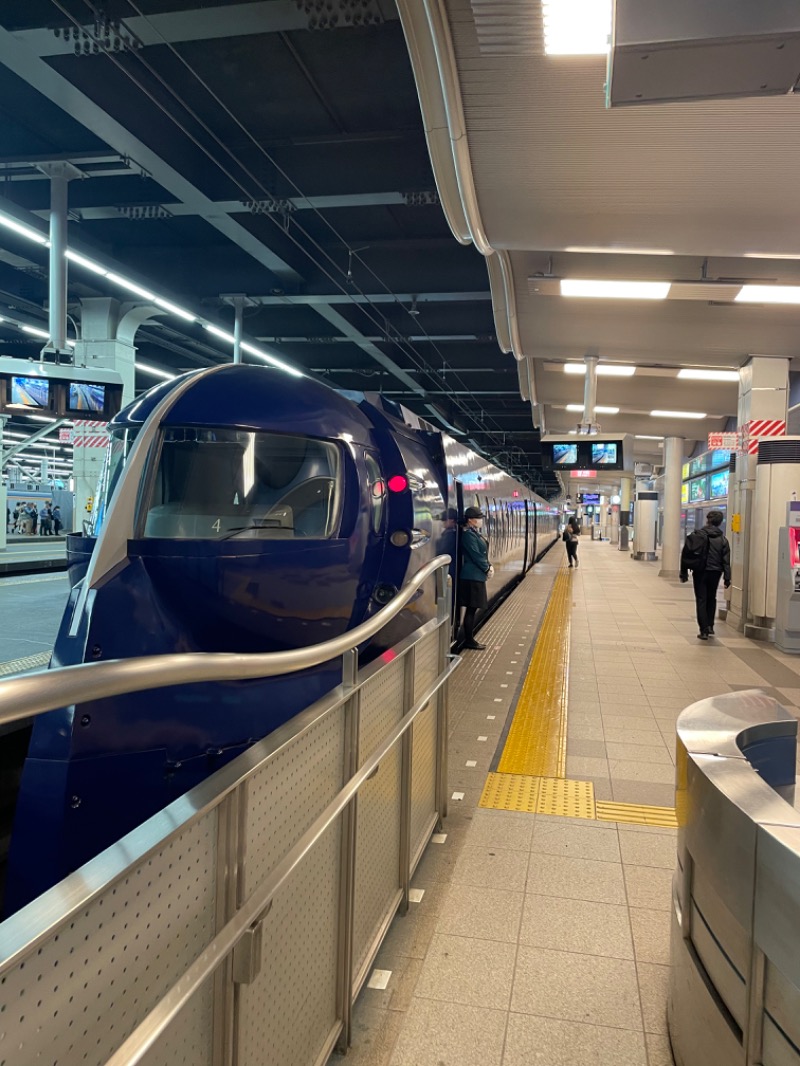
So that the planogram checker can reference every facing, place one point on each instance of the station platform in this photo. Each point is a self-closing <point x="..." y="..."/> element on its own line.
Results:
<point x="27" y="555"/>
<point x="539" y="931"/>
<point x="33" y="606"/>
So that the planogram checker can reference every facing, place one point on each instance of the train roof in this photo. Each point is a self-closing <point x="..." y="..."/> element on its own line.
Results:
<point x="258" y="398"/>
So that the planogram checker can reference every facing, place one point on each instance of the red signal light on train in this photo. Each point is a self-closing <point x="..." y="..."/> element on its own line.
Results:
<point x="398" y="483"/>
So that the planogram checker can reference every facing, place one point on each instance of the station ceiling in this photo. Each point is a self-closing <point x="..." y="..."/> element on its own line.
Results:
<point x="272" y="148"/>
<point x="701" y="194"/>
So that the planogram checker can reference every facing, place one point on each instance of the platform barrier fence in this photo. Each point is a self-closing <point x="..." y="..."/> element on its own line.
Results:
<point x="735" y="973"/>
<point x="237" y="926"/>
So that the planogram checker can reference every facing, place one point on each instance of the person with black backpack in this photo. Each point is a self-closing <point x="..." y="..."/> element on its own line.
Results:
<point x="707" y="554"/>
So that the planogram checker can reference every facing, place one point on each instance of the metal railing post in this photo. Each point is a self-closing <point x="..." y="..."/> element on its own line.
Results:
<point x="406" y="760"/>
<point x="443" y="592"/>
<point x="229" y="825"/>
<point x="347" y="866"/>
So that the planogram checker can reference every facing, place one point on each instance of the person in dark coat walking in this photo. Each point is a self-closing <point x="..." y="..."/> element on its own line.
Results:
<point x="475" y="569"/>
<point x="707" y="554"/>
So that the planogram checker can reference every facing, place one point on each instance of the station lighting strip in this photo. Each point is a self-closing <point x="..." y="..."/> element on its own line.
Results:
<point x="138" y="290"/>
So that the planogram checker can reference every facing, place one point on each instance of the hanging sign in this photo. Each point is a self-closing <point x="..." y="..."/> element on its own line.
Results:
<point x="723" y="441"/>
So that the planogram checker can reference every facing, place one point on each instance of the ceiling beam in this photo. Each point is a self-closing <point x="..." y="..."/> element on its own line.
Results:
<point x="315" y="299"/>
<point x="56" y="88"/>
<point x="197" y="24"/>
<point x="237" y="207"/>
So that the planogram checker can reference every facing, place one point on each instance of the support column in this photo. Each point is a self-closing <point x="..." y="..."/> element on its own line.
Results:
<point x="3" y="489"/>
<point x="671" y="532"/>
<point x="625" y="492"/>
<point x="763" y="394"/>
<point x="238" y="309"/>
<point x="108" y="328"/>
<point x="588" y="424"/>
<point x="60" y="174"/>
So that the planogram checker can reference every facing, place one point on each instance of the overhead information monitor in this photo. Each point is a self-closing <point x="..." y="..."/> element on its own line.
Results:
<point x="62" y="391"/>
<point x="590" y="453"/>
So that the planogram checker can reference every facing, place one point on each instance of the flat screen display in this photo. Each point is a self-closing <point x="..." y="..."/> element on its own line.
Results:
<point x="604" y="454"/>
<point x="30" y="392"/>
<point x="590" y="497"/>
<point x="685" y="472"/>
<point x="86" y="397"/>
<point x="698" y="490"/>
<point x="719" y="484"/>
<point x="720" y="457"/>
<point x="685" y="492"/>
<point x="565" y="454"/>
<point x="697" y="466"/>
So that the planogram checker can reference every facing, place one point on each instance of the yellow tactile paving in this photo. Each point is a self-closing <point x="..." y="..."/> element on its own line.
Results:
<point x="15" y="666"/>
<point x="569" y="799"/>
<point x="531" y="773"/>
<point x="637" y="814"/>
<point x="511" y="792"/>
<point x="536" y="745"/>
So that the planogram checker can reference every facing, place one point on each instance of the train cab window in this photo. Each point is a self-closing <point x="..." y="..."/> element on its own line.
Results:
<point x="377" y="492"/>
<point x="220" y="484"/>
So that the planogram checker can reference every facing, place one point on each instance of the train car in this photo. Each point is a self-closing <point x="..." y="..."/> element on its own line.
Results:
<point x="243" y="510"/>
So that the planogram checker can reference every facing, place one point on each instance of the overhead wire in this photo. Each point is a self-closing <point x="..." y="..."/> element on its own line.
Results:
<point x="382" y="324"/>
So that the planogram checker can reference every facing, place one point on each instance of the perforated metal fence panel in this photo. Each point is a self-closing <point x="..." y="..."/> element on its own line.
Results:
<point x="423" y="778"/>
<point x="288" y="1013"/>
<point x="288" y="1016"/>
<point x="377" y="884"/>
<point x="74" y="999"/>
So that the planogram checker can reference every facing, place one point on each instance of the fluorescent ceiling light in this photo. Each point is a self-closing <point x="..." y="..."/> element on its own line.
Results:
<point x="615" y="290"/>
<point x="271" y="359"/>
<point x="709" y="375"/>
<point x="23" y="230"/>
<point x="598" y="410"/>
<point x="130" y="286"/>
<point x="678" y="414"/>
<point x="175" y="309"/>
<point x="154" y="371"/>
<point x="608" y="370"/>
<point x="576" y="27"/>
<point x="769" y="294"/>
<point x="229" y="337"/>
<point x="36" y="332"/>
<point x="646" y="436"/>
<point x="90" y="264"/>
<point x="590" y="250"/>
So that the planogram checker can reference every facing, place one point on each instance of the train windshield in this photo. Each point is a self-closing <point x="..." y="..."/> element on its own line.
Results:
<point x="221" y="484"/>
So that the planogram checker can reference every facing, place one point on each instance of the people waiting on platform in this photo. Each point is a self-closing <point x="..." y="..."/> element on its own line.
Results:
<point x="570" y="538"/>
<point x="475" y="569"/>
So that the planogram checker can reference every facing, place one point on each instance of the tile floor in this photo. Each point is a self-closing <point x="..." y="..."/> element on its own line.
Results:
<point x="545" y="940"/>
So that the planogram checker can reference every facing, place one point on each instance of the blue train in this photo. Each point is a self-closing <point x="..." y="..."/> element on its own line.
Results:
<point x="241" y="510"/>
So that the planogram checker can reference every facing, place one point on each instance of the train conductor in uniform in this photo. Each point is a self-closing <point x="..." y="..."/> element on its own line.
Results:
<point x="475" y="569"/>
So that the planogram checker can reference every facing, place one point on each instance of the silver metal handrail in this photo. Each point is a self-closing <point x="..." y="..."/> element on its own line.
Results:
<point x="32" y="694"/>
<point x="145" y="1035"/>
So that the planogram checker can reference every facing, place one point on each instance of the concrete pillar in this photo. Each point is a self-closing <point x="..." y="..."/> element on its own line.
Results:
<point x="763" y="394"/>
<point x="625" y="492"/>
<point x="671" y="530"/>
<point x="590" y="394"/>
<point x="3" y="490"/>
<point x="238" y="308"/>
<point x="108" y="328"/>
